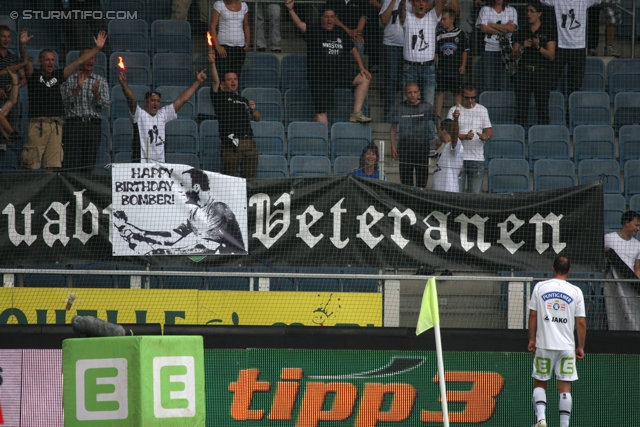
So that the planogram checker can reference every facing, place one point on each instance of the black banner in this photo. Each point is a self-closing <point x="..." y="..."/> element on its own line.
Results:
<point x="66" y="219"/>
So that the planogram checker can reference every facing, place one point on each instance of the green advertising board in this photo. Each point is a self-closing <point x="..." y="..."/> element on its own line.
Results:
<point x="133" y="381"/>
<point x="308" y="388"/>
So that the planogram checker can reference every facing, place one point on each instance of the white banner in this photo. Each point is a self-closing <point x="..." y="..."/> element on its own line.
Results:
<point x="170" y="209"/>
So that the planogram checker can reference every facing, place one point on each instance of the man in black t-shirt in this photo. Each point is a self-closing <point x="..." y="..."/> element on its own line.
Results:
<point x="328" y="65"/>
<point x="237" y="148"/>
<point x="535" y="46"/>
<point x="44" y="136"/>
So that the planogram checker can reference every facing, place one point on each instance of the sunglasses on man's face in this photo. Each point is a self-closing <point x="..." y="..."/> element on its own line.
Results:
<point x="469" y="98"/>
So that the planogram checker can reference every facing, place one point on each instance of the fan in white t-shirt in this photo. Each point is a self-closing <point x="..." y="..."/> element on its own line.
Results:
<point x="624" y="243"/>
<point x="555" y="309"/>
<point x="149" y="123"/>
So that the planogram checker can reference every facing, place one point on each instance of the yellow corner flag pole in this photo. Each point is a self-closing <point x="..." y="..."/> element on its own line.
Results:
<point x="430" y="318"/>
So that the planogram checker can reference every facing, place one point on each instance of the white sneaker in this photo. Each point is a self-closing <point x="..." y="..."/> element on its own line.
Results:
<point x="541" y="423"/>
<point x="611" y="51"/>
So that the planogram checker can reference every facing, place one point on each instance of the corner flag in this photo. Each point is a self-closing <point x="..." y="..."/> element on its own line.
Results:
<point x="429" y="314"/>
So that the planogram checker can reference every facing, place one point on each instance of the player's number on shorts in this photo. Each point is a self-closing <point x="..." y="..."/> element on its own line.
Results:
<point x="543" y="365"/>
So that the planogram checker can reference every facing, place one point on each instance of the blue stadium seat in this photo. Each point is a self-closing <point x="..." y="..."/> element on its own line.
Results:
<point x="548" y="142"/>
<point x="593" y="80"/>
<point x="119" y="104"/>
<point x="100" y="66"/>
<point x="507" y="142"/>
<point x="122" y="136"/>
<point x="183" y="159"/>
<point x="129" y="35"/>
<point x="220" y="282"/>
<point x="316" y="284"/>
<point x="122" y="157"/>
<point x="137" y="68"/>
<point x="614" y="207"/>
<point x="205" y="110"/>
<point x="102" y="165"/>
<point x="308" y="139"/>
<point x="629" y="143"/>
<point x="260" y="70"/>
<point x="268" y="102"/>
<point x="310" y="167"/>
<point x="210" y="146"/>
<point x="501" y="106"/>
<point x="557" y="112"/>
<point x="161" y="9"/>
<point x="348" y="139"/>
<point x="624" y="75"/>
<point x="171" y="93"/>
<point x="171" y="36"/>
<point x="298" y="106"/>
<point x="626" y="110"/>
<point x="269" y="137"/>
<point x="181" y="137"/>
<point x="551" y="174"/>
<point x="8" y="21"/>
<point x="172" y="69"/>
<point x="357" y="285"/>
<point x="8" y="162"/>
<point x="187" y="281"/>
<point x="272" y="166"/>
<point x="600" y="170"/>
<point x="46" y="280"/>
<point x="588" y="108"/>
<point x="508" y="176"/>
<point x="631" y="178"/>
<point x="294" y="72"/>
<point x="593" y="142"/>
<point x="634" y="203"/>
<point x="94" y="281"/>
<point x="344" y="165"/>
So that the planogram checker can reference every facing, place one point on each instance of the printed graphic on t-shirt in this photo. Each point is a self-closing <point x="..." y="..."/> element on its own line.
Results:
<point x="333" y="47"/>
<point x="154" y="137"/>
<point x="419" y="38"/>
<point x="573" y="22"/>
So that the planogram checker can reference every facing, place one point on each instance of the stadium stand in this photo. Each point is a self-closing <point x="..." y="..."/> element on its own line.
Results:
<point x="261" y="70"/>
<point x="629" y="143"/>
<point x="129" y="35"/>
<point x="626" y="110"/>
<point x="269" y="137"/>
<point x="507" y="142"/>
<point x="137" y="68"/>
<point x="600" y="170"/>
<point x="171" y="93"/>
<point x="614" y="207"/>
<point x="624" y="76"/>
<point x="588" y="108"/>
<point x="172" y="69"/>
<point x="272" y="166"/>
<point x="170" y="36"/>
<point x="307" y="139"/>
<point x="550" y="174"/>
<point x="310" y="166"/>
<point x="501" y="106"/>
<point x="344" y="165"/>
<point x="631" y="178"/>
<point x="508" y="176"/>
<point x="268" y="102"/>
<point x="593" y="142"/>
<point x="548" y="142"/>
<point x="348" y="139"/>
<point x="182" y="136"/>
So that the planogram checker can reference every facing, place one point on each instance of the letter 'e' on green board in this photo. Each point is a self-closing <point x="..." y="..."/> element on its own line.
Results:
<point x="134" y="381"/>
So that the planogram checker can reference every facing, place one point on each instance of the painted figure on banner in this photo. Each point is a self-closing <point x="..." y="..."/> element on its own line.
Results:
<point x="210" y="226"/>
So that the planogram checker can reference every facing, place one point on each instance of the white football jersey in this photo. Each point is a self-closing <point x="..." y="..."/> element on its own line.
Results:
<point x="557" y="303"/>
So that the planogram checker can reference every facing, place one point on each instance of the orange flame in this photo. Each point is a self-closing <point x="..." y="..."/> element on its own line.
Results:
<point x="120" y="63"/>
<point x="209" y="39"/>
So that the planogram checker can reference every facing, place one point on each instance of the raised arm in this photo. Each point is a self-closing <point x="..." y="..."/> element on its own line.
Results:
<point x="13" y="93"/>
<point x="215" y="78"/>
<point x="295" y="18"/>
<point x="439" y="6"/>
<point x="99" y="41"/>
<point x="128" y="93"/>
<point x="386" y="14"/>
<point x="402" y="11"/>
<point x="187" y="94"/>
<point x="24" y="39"/>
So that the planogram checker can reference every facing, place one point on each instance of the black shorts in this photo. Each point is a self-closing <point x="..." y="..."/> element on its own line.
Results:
<point x="322" y="91"/>
<point x="448" y="82"/>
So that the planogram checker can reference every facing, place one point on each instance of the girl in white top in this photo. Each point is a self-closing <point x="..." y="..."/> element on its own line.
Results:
<point x="494" y="19"/>
<point x="449" y="166"/>
<point x="230" y="35"/>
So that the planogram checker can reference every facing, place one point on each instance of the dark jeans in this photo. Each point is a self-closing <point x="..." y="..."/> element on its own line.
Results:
<point x="244" y="156"/>
<point x="414" y="157"/>
<point x="81" y="140"/>
<point x="393" y="70"/>
<point x="526" y="82"/>
<point x="575" y="59"/>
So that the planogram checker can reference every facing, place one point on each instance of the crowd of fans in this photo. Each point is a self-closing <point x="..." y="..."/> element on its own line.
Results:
<point x="422" y="48"/>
